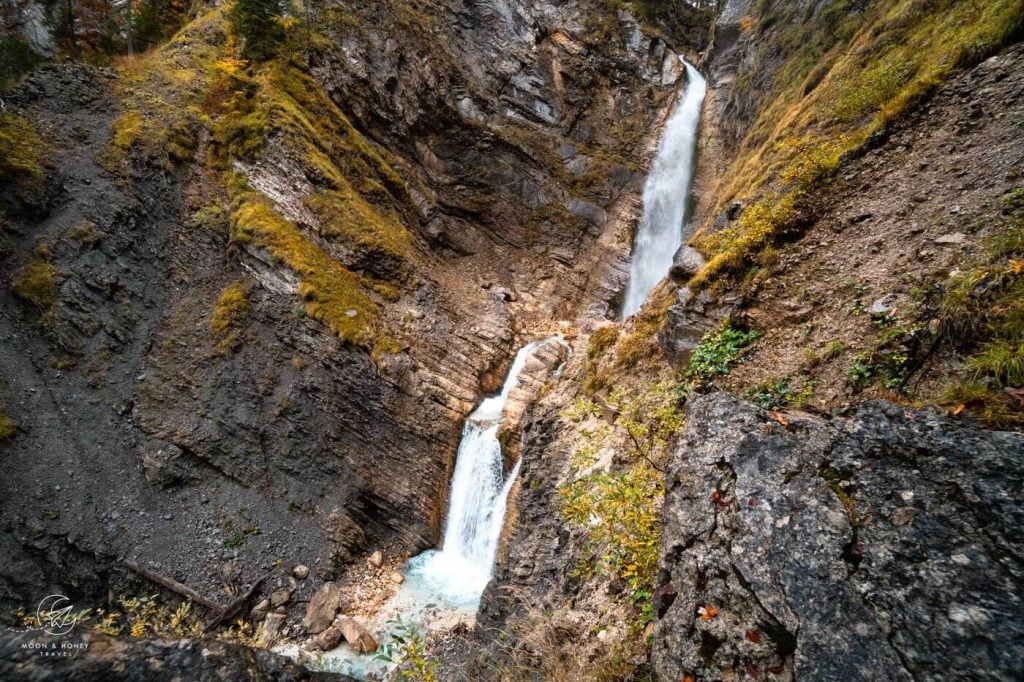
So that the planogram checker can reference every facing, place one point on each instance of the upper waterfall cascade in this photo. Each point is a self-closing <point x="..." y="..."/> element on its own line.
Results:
<point x="666" y="196"/>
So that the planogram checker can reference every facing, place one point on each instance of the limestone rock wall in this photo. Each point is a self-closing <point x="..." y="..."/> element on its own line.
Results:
<point x="879" y="546"/>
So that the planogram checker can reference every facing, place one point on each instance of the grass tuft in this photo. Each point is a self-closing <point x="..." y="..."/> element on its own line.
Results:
<point x="7" y="427"/>
<point x="37" y="284"/>
<point x="21" y="150"/>
<point x="229" y="315"/>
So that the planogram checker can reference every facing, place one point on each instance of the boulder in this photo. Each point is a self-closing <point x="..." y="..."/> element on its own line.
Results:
<point x="952" y="238"/>
<point x="270" y="630"/>
<point x="877" y="547"/>
<point x="165" y="465"/>
<point x="734" y="211"/>
<point x="346" y="538"/>
<point x="883" y="306"/>
<point x="356" y="635"/>
<point x="322" y="608"/>
<point x="397" y="578"/>
<point x="345" y="628"/>
<point x="259" y="612"/>
<point x="376" y="559"/>
<point x="280" y="596"/>
<point x="686" y="263"/>
<point x="300" y="572"/>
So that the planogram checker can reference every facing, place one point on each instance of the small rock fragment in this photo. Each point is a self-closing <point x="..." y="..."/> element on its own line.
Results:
<point x="280" y="596"/>
<point x="953" y="238"/>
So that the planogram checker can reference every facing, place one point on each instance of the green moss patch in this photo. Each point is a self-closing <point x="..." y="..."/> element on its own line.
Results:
<point x="7" y="427"/>
<point x="21" y="150"/>
<point x="332" y="293"/>
<point x="37" y="284"/>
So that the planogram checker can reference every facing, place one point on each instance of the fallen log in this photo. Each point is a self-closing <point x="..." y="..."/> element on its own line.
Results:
<point x="174" y="586"/>
<point x="222" y="614"/>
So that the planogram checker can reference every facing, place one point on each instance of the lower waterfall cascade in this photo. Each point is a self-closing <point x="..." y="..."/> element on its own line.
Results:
<point x="460" y="570"/>
<point x="445" y="585"/>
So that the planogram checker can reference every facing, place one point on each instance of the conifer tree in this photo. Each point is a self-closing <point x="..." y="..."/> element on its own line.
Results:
<point x="256" y="21"/>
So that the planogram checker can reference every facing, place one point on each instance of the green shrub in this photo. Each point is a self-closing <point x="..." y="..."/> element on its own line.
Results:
<point x="780" y="393"/>
<point x="407" y="650"/>
<point x="601" y="340"/>
<point x="982" y="313"/>
<point x="16" y="59"/>
<point x="715" y="354"/>
<point x="834" y="349"/>
<point x="619" y="512"/>
<point x="618" y="509"/>
<point x="258" y="23"/>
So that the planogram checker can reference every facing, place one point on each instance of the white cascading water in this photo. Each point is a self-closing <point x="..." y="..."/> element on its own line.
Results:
<point x="460" y="570"/>
<point x="444" y="586"/>
<point x="666" y="196"/>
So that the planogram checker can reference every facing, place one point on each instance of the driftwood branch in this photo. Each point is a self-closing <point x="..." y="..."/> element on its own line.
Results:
<point x="173" y="585"/>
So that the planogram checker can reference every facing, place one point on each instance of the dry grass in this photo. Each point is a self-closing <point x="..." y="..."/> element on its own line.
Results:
<point x="7" y="427"/>
<point x="846" y="76"/>
<point x="332" y="293"/>
<point x="21" y="150"/>
<point x="229" y="315"/>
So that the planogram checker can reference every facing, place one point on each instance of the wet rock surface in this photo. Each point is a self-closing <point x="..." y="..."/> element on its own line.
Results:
<point x="880" y="546"/>
<point x="90" y="656"/>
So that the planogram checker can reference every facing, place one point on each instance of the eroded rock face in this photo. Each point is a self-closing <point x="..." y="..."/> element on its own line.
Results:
<point x="98" y="657"/>
<point x="498" y="118"/>
<point x="882" y="546"/>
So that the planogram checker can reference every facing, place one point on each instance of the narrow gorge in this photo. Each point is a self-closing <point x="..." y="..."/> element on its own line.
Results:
<point x="511" y="340"/>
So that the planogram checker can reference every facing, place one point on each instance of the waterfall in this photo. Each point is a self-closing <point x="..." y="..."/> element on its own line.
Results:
<point x="459" y="572"/>
<point x="666" y="196"/>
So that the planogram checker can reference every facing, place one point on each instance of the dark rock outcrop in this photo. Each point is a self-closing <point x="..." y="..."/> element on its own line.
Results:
<point x="88" y="656"/>
<point x="883" y="546"/>
<point x="686" y="263"/>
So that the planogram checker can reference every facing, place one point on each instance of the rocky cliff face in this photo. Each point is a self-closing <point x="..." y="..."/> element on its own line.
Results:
<point x="878" y="546"/>
<point x="518" y="133"/>
<point x="856" y="281"/>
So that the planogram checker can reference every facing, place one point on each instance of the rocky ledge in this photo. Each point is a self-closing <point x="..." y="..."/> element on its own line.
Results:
<point x="881" y="546"/>
<point x="89" y="656"/>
